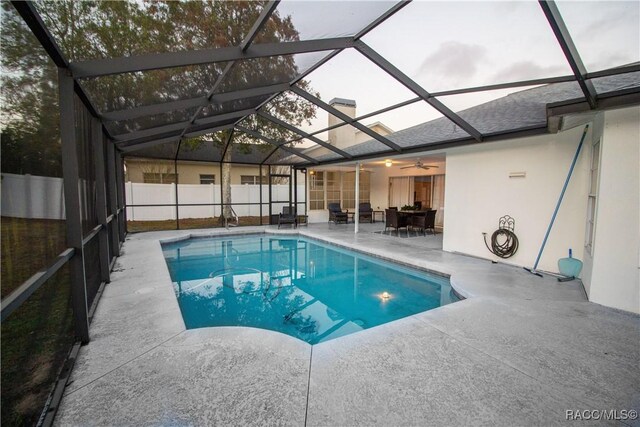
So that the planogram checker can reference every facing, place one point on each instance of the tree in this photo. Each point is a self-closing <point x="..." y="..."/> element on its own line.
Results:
<point x="104" y="29"/>
<point x="29" y="119"/>
<point x="85" y="30"/>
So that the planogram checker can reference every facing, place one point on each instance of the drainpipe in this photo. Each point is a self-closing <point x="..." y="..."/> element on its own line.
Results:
<point x="357" y="215"/>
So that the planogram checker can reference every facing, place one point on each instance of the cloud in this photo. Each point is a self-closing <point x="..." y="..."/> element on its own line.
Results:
<point x="610" y="60"/>
<point x="527" y="70"/>
<point x="453" y="62"/>
<point x="623" y="14"/>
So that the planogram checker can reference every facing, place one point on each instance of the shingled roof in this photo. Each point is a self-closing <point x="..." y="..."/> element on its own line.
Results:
<point x="517" y="111"/>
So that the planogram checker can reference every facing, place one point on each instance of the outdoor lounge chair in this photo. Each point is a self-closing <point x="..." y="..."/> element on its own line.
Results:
<point x="366" y="212"/>
<point x="288" y="216"/>
<point x="336" y="214"/>
<point x="394" y="220"/>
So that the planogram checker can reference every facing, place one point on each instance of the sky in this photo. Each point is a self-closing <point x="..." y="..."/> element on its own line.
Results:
<point x="452" y="45"/>
<point x="445" y="45"/>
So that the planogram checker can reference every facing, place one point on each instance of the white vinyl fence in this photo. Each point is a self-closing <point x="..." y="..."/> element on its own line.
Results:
<point x="32" y="196"/>
<point x="165" y="194"/>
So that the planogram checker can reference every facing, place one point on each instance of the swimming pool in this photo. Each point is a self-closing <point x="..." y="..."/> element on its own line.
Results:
<point x="301" y="287"/>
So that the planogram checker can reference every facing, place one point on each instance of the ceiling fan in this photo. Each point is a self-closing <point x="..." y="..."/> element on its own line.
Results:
<point x="420" y="165"/>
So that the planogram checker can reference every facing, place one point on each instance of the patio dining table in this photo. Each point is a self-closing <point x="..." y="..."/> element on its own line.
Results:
<point x="413" y="213"/>
<point x="409" y="214"/>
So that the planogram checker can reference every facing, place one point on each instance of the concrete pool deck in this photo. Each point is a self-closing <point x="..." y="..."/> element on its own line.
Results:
<point x="520" y="350"/>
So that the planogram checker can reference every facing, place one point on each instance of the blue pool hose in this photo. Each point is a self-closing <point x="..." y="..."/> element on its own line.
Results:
<point x="555" y="212"/>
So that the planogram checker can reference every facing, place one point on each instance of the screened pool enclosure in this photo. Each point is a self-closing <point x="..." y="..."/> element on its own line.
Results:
<point x="243" y="87"/>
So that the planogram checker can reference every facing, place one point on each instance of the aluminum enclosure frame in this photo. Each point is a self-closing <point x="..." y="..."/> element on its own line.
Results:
<point x="117" y="145"/>
<point x="109" y="149"/>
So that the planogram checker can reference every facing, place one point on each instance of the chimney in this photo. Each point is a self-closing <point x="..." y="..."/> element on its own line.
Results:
<point x="343" y="136"/>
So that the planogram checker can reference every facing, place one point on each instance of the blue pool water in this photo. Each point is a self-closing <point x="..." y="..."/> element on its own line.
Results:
<point x="303" y="288"/>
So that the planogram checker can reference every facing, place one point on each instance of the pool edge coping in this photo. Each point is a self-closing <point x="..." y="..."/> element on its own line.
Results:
<point x="311" y="237"/>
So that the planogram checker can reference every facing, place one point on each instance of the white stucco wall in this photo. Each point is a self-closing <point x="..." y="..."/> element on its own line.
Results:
<point x="478" y="192"/>
<point x="612" y="276"/>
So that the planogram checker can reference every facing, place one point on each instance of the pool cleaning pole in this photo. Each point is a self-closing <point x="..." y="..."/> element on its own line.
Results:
<point x="555" y="212"/>
<point x="356" y="218"/>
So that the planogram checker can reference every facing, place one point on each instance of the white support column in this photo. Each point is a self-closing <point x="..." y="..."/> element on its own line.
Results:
<point x="356" y="218"/>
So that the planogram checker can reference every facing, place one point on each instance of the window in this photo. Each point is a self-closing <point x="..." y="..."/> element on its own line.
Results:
<point x="252" y="179"/>
<point x="337" y="187"/>
<point x="333" y="187"/>
<point x="316" y="191"/>
<point x="349" y="189"/>
<point x="159" y="178"/>
<point x="593" y="193"/>
<point x="365" y="187"/>
<point x="207" y="179"/>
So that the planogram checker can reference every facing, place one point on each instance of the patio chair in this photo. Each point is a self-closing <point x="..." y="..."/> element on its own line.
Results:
<point x="394" y="208"/>
<point x="288" y="216"/>
<point x="394" y="220"/>
<point x="366" y="212"/>
<point x="430" y="220"/>
<point x="419" y="221"/>
<point x="336" y="214"/>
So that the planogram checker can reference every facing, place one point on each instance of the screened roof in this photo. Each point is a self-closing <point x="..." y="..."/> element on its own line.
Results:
<point x="251" y="82"/>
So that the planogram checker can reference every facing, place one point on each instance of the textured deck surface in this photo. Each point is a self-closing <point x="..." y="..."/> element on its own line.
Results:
<point x="520" y="350"/>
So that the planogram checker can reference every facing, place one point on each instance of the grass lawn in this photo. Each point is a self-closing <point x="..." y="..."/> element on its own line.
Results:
<point x="36" y="338"/>
<point x="189" y="223"/>
<point x="28" y="245"/>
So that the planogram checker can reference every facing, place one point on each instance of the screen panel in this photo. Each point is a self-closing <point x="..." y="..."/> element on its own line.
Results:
<point x="253" y="73"/>
<point x="308" y="20"/>
<point x="442" y="45"/>
<point x="351" y="76"/>
<point x="605" y="33"/>
<point x="403" y="117"/>
<point x="121" y="128"/>
<point x="36" y="339"/>
<point x="304" y="115"/>
<point x="620" y="82"/>
<point x="130" y="90"/>
<point x="112" y="29"/>
<point x="510" y="109"/>
<point x="33" y="206"/>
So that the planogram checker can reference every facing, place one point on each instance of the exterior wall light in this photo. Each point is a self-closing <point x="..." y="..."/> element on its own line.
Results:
<point x="388" y="163"/>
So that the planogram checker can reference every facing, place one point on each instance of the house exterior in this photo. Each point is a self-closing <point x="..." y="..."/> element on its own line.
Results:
<point x="155" y="171"/>
<point x="598" y="218"/>
<point x="336" y="184"/>
<point x="523" y="177"/>
<point x="472" y="186"/>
